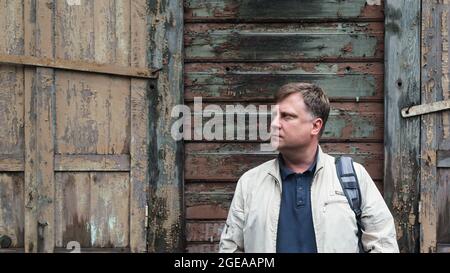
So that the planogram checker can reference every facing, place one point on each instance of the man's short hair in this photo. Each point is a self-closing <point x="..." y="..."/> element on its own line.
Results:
<point x="315" y="99"/>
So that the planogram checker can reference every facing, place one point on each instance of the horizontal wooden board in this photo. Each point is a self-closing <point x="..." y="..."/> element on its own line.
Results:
<point x="12" y="208"/>
<point x="92" y="162"/>
<point x="92" y="209"/>
<point x="259" y="82"/>
<point x="281" y="42"/>
<point x="11" y="163"/>
<point x="204" y="231"/>
<point x="228" y="161"/>
<point x="202" y="248"/>
<point x="357" y="122"/>
<point x="280" y="10"/>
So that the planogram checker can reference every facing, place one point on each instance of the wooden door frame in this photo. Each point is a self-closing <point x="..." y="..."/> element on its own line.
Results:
<point x="166" y="160"/>
<point x="402" y="146"/>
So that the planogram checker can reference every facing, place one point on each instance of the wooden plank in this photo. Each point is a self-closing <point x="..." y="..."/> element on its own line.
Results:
<point x="259" y="82"/>
<point x="78" y="66"/>
<point x="204" y="231"/>
<point x="443" y="248"/>
<point x="443" y="159"/>
<point x="139" y="174"/>
<point x="11" y="110"/>
<point x="93" y="209"/>
<point x="281" y="42"/>
<point x="166" y="174"/>
<point x="11" y="208"/>
<point x="443" y="206"/>
<point x="431" y="87"/>
<point x="356" y="122"/>
<point x="30" y="214"/>
<point x="72" y="209"/>
<point x="228" y="161"/>
<point x="202" y="248"/>
<point x="11" y="80"/>
<point x="95" y="250"/>
<point x="93" y="114"/>
<point x="284" y="10"/>
<point x="11" y="163"/>
<point x="110" y="210"/>
<point x="402" y="137"/>
<point x="92" y="162"/>
<point x="39" y="178"/>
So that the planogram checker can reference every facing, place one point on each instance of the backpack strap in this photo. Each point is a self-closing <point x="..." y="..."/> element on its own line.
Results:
<point x="350" y="186"/>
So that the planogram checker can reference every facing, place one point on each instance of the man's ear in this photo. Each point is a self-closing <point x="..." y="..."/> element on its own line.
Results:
<point x="317" y="126"/>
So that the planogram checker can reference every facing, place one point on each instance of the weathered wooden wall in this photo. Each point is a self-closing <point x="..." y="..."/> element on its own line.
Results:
<point x="435" y="142"/>
<point x="73" y="146"/>
<point x="242" y="51"/>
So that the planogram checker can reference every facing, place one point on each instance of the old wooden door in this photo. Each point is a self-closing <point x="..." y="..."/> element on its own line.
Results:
<point x="73" y="145"/>
<point x="435" y="143"/>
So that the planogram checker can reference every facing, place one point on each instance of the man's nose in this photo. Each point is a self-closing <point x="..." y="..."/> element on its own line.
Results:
<point x="276" y="123"/>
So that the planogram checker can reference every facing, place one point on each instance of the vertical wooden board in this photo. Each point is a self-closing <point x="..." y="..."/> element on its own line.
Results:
<point x="12" y="26"/>
<point x="11" y="208"/>
<point x="93" y="114"/>
<point x="74" y="26"/>
<point x="104" y="31"/>
<point x="109" y="209"/>
<point x="431" y="45"/>
<point x="30" y="225"/>
<point x="11" y="111"/>
<point x="443" y="206"/>
<point x="402" y="136"/>
<point x="72" y="209"/>
<point x="39" y="146"/>
<point x="122" y="31"/>
<point x="139" y="165"/>
<point x="166" y="174"/>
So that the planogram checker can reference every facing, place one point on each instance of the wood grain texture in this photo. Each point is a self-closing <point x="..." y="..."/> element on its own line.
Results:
<point x="282" y="42"/>
<point x="402" y="136"/>
<point x="282" y="10"/>
<point x="259" y="82"/>
<point x="166" y="226"/>
<point x="11" y="208"/>
<point x="93" y="209"/>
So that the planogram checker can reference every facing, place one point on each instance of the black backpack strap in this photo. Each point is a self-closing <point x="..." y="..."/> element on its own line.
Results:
<point x="350" y="186"/>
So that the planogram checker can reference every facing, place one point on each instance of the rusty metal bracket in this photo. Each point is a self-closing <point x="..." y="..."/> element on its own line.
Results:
<point x="132" y="72"/>
<point x="425" y="108"/>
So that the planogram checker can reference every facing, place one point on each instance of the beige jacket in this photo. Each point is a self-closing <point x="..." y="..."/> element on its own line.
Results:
<point x="253" y="216"/>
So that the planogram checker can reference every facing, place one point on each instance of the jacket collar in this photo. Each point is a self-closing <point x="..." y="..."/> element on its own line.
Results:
<point x="274" y="169"/>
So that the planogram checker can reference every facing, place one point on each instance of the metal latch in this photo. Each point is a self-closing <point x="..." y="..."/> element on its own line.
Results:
<point x="425" y="108"/>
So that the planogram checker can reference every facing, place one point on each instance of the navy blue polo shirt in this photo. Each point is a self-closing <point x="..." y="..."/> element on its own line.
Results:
<point x="295" y="224"/>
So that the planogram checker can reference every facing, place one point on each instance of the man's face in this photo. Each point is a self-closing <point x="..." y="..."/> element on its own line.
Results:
<point x="293" y="126"/>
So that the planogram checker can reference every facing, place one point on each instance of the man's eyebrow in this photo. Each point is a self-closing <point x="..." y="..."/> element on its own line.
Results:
<point x="284" y="113"/>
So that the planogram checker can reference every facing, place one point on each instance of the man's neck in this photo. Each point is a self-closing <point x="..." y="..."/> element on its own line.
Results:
<point x="300" y="160"/>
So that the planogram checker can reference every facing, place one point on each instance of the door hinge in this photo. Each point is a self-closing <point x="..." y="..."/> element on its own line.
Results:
<point x="427" y="108"/>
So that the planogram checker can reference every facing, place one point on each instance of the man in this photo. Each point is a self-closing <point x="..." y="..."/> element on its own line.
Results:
<point x="295" y="203"/>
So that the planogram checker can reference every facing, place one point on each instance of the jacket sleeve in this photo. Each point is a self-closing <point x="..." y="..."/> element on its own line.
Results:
<point x="379" y="234"/>
<point x="232" y="237"/>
